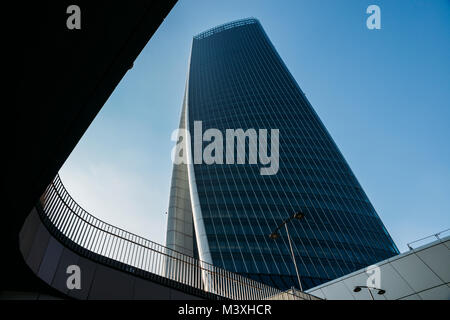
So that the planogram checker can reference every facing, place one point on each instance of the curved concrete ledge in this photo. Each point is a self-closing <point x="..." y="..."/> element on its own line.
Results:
<point x="64" y="245"/>
<point x="48" y="258"/>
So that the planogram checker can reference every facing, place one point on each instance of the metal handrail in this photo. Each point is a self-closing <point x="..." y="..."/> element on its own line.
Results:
<point x="126" y="251"/>
<point x="436" y="235"/>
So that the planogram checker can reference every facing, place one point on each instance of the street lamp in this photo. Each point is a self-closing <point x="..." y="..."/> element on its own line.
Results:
<point x="379" y="291"/>
<point x="275" y="235"/>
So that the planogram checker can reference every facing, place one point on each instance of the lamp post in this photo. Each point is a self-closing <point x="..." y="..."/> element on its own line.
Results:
<point x="379" y="291"/>
<point x="275" y="235"/>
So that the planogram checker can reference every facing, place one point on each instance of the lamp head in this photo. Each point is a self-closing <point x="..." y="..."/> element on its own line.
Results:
<point x="357" y="289"/>
<point x="299" y="215"/>
<point x="274" y="235"/>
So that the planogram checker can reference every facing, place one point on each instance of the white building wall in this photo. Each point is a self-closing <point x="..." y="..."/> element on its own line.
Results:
<point x="419" y="274"/>
<point x="180" y="228"/>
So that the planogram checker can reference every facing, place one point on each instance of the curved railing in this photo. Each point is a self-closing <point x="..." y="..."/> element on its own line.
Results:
<point x="115" y="247"/>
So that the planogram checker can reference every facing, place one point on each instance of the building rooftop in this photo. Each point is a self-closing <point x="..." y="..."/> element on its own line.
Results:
<point x="225" y="26"/>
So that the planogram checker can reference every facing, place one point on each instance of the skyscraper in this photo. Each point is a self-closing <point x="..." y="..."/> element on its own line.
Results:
<point x="223" y="211"/>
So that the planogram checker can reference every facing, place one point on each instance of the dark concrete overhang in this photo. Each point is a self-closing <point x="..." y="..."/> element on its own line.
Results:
<point x="60" y="79"/>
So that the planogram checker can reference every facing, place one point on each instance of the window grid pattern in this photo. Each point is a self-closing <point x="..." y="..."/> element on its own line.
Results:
<point x="237" y="80"/>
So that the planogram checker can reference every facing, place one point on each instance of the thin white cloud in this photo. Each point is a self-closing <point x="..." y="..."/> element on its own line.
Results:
<point x="119" y="197"/>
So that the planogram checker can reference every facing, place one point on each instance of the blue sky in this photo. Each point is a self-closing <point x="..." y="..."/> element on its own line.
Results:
<point x="384" y="96"/>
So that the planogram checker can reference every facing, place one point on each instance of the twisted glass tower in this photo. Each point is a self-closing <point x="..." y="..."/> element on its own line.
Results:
<point x="223" y="213"/>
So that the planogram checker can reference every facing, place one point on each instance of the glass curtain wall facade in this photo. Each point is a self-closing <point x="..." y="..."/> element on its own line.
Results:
<point x="224" y="213"/>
